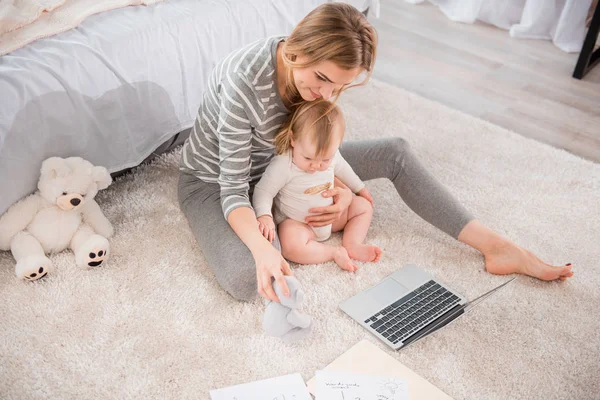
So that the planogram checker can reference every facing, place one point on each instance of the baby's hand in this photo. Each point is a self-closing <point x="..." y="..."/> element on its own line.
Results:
<point x="364" y="192"/>
<point x="266" y="226"/>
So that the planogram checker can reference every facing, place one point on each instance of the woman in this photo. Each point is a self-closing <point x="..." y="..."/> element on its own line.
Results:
<point x="249" y="96"/>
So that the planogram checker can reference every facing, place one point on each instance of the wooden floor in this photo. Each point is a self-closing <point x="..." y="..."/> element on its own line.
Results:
<point x="522" y="85"/>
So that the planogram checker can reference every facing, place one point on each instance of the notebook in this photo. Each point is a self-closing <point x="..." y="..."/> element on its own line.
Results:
<point x="366" y="358"/>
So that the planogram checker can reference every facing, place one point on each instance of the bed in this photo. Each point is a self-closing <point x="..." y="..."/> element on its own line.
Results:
<point x="124" y="84"/>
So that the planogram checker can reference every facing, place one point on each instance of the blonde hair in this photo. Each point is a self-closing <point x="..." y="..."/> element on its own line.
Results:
<point x="316" y="119"/>
<point x="335" y="32"/>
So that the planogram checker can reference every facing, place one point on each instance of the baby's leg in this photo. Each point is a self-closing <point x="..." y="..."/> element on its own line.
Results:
<point x="355" y="230"/>
<point x="298" y="244"/>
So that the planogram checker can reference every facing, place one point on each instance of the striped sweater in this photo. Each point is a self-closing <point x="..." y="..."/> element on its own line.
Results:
<point x="232" y="141"/>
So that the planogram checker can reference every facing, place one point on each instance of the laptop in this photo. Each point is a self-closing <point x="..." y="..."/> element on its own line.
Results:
<point x="408" y="305"/>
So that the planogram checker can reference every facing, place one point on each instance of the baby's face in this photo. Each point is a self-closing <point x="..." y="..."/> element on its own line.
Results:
<point x="304" y="154"/>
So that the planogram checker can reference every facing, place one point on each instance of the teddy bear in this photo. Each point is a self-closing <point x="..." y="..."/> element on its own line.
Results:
<point x="61" y="213"/>
<point x="283" y="320"/>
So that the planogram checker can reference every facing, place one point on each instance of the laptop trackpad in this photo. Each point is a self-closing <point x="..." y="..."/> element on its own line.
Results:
<point x="387" y="291"/>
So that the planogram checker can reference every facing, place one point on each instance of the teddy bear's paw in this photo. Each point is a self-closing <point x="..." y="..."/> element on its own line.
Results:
<point x="93" y="253"/>
<point x="33" y="268"/>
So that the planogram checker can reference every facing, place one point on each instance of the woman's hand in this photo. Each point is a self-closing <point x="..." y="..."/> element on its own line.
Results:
<point x="266" y="226"/>
<point x="269" y="261"/>
<point x="364" y="192"/>
<point x="342" y="197"/>
<point x="271" y="264"/>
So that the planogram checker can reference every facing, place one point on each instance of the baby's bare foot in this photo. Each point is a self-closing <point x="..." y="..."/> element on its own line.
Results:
<point x="510" y="258"/>
<point x="363" y="252"/>
<point x="342" y="259"/>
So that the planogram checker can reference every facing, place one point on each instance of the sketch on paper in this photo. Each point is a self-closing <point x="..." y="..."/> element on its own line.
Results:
<point x="332" y="385"/>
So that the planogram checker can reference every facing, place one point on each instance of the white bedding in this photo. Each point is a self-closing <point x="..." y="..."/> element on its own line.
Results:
<point x="121" y="83"/>
<point x="24" y="21"/>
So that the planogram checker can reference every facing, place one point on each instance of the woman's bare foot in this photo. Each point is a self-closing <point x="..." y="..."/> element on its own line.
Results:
<point x="363" y="252"/>
<point x="504" y="257"/>
<point x="508" y="258"/>
<point x="342" y="259"/>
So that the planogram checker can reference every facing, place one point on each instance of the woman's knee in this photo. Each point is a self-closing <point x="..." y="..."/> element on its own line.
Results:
<point x="398" y="147"/>
<point x="233" y="266"/>
<point x="398" y="150"/>
<point x="242" y="287"/>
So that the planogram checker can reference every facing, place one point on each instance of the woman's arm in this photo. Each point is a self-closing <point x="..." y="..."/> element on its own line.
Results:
<point x="269" y="262"/>
<point x="237" y="115"/>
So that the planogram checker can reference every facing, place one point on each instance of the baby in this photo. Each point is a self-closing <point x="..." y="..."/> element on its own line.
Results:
<point x="307" y="161"/>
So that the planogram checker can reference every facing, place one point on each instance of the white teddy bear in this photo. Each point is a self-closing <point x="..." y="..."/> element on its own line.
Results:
<point x="61" y="214"/>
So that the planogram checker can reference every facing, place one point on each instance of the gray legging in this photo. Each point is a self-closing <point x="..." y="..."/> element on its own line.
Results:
<point x="232" y="262"/>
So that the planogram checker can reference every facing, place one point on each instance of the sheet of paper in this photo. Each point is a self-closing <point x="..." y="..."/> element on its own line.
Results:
<point x="288" y="387"/>
<point x="333" y="385"/>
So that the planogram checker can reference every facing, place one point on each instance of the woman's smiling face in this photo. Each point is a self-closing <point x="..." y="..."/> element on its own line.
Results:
<point x="322" y="79"/>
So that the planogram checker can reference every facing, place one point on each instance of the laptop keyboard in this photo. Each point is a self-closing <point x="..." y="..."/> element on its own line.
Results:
<point x="408" y="315"/>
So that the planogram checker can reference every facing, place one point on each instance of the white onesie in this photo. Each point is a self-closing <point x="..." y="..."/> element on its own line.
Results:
<point x="295" y="191"/>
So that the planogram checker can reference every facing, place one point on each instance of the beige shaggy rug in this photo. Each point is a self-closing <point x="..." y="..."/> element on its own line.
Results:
<point x="154" y="324"/>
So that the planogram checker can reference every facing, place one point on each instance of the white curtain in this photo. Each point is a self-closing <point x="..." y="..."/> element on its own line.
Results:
<point x="562" y="21"/>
